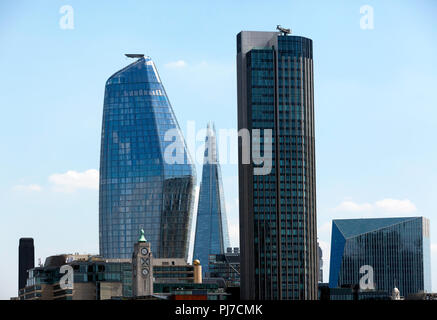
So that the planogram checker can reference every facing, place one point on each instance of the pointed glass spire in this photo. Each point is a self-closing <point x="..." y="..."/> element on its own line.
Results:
<point x="212" y="227"/>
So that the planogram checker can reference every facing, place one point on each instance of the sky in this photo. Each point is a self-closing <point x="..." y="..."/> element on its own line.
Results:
<point x="375" y="106"/>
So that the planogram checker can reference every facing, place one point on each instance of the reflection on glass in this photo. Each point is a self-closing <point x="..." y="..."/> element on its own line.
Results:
<point x="137" y="187"/>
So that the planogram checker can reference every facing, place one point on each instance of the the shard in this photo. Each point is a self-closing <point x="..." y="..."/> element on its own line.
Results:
<point x="212" y="227"/>
<point x="141" y="187"/>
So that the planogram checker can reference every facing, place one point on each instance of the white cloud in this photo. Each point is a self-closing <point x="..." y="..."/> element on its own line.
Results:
<point x="74" y="180"/>
<point x="385" y="206"/>
<point x="203" y="63"/>
<point x="397" y="206"/>
<point x="326" y="250"/>
<point x="176" y="64"/>
<point x="234" y="232"/>
<point x="325" y="228"/>
<point x="350" y="206"/>
<point x="324" y="246"/>
<point x="434" y="248"/>
<point x="326" y="253"/>
<point x="30" y="187"/>
<point x="232" y="205"/>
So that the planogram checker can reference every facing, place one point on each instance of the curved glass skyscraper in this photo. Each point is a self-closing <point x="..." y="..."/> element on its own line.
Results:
<point x="139" y="188"/>
<point x="212" y="227"/>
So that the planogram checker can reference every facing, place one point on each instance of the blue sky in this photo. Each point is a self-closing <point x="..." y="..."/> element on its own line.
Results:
<point x="375" y="104"/>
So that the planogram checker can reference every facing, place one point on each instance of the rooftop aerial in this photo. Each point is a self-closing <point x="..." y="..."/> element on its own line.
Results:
<point x="283" y="30"/>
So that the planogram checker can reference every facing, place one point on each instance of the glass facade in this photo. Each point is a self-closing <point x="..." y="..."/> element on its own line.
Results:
<point x="139" y="189"/>
<point x="278" y="211"/>
<point x="225" y="266"/>
<point x="396" y="248"/>
<point x="175" y="274"/>
<point x="94" y="272"/>
<point x="355" y="294"/>
<point x="211" y="235"/>
<point x="105" y="272"/>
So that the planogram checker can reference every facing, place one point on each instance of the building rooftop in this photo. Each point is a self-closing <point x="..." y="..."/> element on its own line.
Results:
<point x="354" y="227"/>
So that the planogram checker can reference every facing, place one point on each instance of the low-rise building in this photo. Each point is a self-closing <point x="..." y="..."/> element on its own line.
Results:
<point x="94" y="278"/>
<point x="225" y="266"/>
<point x="352" y="293"/>
<point x="97" y="278"/>
<point x="175" y="270"/>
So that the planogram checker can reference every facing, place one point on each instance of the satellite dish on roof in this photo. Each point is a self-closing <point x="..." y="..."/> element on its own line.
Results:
<point x="283" y="30"/>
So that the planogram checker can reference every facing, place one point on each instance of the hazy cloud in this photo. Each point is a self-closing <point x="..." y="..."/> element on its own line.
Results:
<point x="176" y="64"/>
<point x="30" y="187"/>
<point x="434" y="248"/>
<point x="394" y="205"/>
<point x="73" y="180"/>
<point x="232" y="207"/>
<point x="350" y="206"/>
<point x="385" y="206"/>
<point x="234" y="232"/>
<point x="325" y="228"/>
<point x="326" y="253"/>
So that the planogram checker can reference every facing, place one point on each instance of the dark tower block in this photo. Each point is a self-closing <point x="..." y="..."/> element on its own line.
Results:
<point x="278" y="238"/>
<point x="26" y="260"/>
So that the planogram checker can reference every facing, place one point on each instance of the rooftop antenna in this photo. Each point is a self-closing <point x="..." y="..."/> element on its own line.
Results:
<point x="283" y="30"/>
<point x="134" y="55"/>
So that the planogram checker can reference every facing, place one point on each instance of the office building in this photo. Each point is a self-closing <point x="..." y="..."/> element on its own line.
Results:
<point x="211" y="235"/>
<point x="226" y="266"/>
<point x="351" y="293"/>
<point x="26" y="260"/>
<point x="94" y="278"/>
<point x="388" y="252"/>
<point x="147" y="177"/>
<point x="172" y="271"/>
<point x="278" y="238"/>
<point x="177" y="280"/>
<point x="97" y="278"/>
